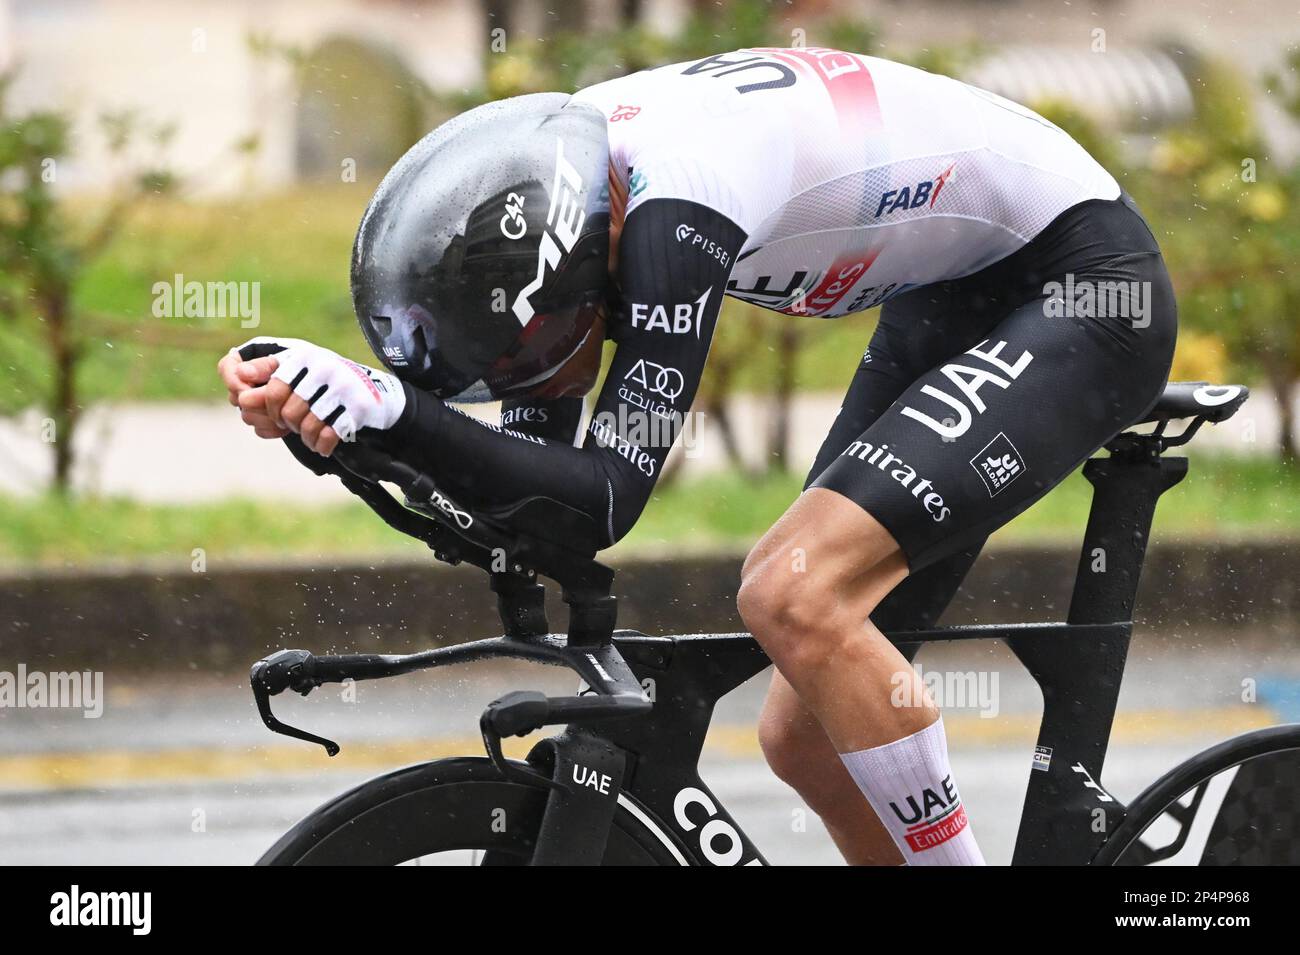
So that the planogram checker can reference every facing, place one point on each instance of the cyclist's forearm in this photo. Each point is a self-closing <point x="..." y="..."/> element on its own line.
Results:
<point x="672" y="289"/>
<point x="485" y="463"/>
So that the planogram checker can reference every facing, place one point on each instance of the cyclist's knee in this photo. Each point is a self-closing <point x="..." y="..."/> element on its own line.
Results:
<point x="801" y="617"/>
<point x="775" y="598"/>
<point x="762" y="599"/>
<point x="795" y="615"/>
<point x="811" y="581"/>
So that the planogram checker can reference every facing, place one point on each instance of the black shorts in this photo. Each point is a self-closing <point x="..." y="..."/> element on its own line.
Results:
<point x="977" y="396"/>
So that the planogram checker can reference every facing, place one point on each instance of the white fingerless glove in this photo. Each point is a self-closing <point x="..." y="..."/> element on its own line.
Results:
<point x="264" y="345"/>
<point x="343" y="394"/>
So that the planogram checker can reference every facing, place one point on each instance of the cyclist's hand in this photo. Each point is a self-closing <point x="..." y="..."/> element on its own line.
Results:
<point x="325" y="398"/>
<point x="244" y="380"/>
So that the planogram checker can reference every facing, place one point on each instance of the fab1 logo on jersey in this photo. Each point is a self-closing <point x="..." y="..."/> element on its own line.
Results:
<point x="685" y="318"/>
<point x="967" y="380"/>
<point x="913" y="197"/>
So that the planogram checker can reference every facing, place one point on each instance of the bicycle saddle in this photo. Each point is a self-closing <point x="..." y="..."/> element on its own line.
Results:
<point x="1196" y="399"/>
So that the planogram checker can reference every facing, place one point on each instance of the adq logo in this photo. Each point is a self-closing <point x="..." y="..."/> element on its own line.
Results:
<point x="657" y="379"/>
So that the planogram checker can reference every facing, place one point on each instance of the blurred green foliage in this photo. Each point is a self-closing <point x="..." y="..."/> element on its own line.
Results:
<point x="571" y="61"/>
<point x="1230" y="238"/>
<point x="296" y="244"/>
<point x="1223" y="498"/>
<point x="45" y="251"/>
<point x="1227" y="216"/>
<point x="1229" y="219"/>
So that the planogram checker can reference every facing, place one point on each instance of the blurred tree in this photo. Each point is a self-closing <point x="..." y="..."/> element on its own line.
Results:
<point x="45" y="250"/>
<point x="630" y="11"/>
<point x="498" y="14"/>
<point x="1228" y="218"/>
<point x="355" y="102"/>
<point x="1101" y="145"/>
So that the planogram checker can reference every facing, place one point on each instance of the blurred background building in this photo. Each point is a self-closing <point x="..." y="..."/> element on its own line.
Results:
<point x="145" y="531"/>
<point x="291" y="76"/>
<point x="282" y="114"/>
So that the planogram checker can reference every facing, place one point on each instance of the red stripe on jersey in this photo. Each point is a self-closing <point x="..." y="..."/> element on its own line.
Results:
<point x="845" y="77"/>
<point x="839" y="279"/>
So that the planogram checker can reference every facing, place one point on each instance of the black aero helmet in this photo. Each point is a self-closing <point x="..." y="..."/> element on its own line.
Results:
<point x="481" y="262"/>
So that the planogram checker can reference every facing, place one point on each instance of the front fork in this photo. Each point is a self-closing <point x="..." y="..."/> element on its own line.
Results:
<point x="585" y="776"/>
<point x="582" y="772"/>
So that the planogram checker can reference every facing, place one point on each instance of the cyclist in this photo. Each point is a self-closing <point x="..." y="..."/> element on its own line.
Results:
<point x="1027" y="317"/>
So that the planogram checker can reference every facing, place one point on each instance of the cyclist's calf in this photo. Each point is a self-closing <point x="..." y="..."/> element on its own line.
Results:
<point x="806" y="593"/>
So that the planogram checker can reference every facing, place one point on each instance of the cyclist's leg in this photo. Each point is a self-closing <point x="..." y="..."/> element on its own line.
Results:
<point x="797" y="748"/>
<point x="793" y="741"/>
<point x="928" y="487"/>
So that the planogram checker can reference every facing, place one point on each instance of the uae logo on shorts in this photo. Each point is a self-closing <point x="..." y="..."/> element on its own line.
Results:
<point x="998" y="464"/>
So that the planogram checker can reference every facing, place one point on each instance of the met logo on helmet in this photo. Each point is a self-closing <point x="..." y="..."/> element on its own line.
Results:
<point x="564" y="222"/>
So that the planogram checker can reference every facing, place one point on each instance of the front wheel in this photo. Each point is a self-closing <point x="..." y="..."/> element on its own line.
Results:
<point x="451" y="811"/>
<point x="1233" y="804"/>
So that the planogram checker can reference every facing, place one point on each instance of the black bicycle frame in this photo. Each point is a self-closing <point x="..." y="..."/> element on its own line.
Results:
<point x="1080" y="676"/>
<point x="635" y="733"/>
<point x="1078" y="664"/>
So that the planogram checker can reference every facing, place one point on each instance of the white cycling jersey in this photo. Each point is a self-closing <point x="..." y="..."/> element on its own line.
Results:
<point x="855" y="178"/>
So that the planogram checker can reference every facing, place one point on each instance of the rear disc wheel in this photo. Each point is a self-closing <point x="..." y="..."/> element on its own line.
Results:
<point x="1234" y="804"/>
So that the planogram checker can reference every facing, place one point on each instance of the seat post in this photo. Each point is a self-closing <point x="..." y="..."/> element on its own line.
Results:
<point x="1126" y="487"/>
<point x="1080" y="679"/>
<point x="593" y="615"/>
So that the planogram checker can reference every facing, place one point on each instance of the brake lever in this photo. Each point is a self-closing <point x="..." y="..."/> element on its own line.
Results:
<point x="530" y="708"/>
<point x="287" y="669"/>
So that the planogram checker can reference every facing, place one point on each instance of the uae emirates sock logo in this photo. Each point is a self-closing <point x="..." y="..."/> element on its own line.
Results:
<point x="932" y="817"/>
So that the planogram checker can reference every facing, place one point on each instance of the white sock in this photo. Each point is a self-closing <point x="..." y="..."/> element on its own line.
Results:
<point x="909" y="783"/>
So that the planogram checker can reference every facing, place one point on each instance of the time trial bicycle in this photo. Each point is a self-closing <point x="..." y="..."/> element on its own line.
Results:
<point x="620" y="785"/>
